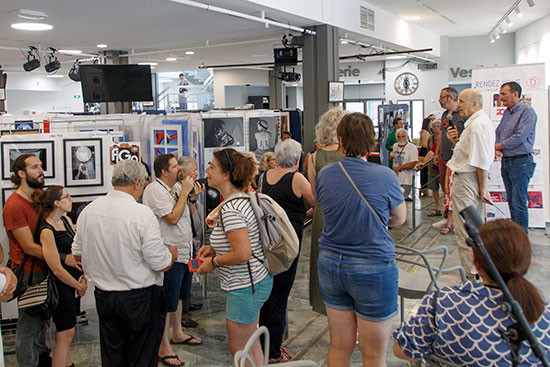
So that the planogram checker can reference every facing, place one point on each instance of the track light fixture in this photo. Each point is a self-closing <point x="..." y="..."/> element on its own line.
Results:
<point x="518" y="12"/>
<point x="531" y="3"/>
<point x="500" y="27"/>
<point x="509" y="22"/>
<point x="53" y="64"/>
<point x="33" y="59"/>
<point x="74" y="73"/>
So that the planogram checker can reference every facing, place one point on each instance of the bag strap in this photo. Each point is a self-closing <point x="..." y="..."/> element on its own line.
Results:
<point x="360" y="194"/>
<point x="68" y="227"/>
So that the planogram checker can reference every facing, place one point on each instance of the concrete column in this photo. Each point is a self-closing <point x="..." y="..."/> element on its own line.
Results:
<point x="115" y="58"/>
<point x="276" y="90"/>
<point x="320" y="65"/>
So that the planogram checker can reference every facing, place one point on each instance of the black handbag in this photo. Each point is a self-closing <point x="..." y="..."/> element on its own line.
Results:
<point x="19" y="273"/>
<point x="39" y="299"/>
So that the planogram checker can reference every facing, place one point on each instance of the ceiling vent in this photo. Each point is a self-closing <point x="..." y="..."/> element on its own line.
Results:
<point x="367" y="18"/>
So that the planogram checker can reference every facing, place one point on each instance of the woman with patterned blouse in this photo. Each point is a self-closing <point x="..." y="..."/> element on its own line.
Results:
<point x="460" y="324"/>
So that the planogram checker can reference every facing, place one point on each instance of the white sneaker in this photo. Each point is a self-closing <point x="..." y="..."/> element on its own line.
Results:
<point x="440" y="224"/>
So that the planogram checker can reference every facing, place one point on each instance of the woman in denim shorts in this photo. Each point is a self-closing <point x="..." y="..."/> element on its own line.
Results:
<point x="357" y="269"/>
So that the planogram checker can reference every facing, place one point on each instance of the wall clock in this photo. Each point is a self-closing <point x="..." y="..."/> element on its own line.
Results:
<point x="406" y="84"/>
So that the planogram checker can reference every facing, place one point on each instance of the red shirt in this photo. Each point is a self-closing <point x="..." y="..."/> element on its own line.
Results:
<point x="19" y="213"/>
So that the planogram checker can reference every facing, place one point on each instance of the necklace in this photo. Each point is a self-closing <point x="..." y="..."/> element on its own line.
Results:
<point x="24" y="194"/>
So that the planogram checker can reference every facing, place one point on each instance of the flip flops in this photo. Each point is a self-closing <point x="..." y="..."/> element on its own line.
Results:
<point x="435" y="213"/>
<point x="164" y="360"/>
<point x="187" y="341"/>
<point x="446" y="230"/>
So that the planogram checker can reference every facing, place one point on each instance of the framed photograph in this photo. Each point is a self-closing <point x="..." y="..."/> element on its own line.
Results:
<point x="20" y="132"/>
<point x="263" y="134"/>
<point x="6" y="192"/>
<point x="336" y="91"/>
<point x="42" y="149"/>
<point x="83" y="162"/>
<point x="223" y="132"/>
<point x="79" y="203"/>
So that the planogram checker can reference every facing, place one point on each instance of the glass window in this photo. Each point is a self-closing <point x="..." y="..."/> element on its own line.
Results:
<point x="355" y="107"/>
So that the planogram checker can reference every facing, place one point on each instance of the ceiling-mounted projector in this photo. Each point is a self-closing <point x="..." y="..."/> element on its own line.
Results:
<point x="52" y="66"/>
<point x="31" y="65"/>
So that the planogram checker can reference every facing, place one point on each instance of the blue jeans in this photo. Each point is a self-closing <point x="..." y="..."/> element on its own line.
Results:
<point x="516" y="174"/>
<point x="368" y="287"/>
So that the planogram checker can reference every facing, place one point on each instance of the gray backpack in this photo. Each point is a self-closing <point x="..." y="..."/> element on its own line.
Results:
<point x="279" y="240"/>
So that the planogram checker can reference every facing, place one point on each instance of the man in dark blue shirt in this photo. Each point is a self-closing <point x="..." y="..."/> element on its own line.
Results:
<point x="515" y="136"/>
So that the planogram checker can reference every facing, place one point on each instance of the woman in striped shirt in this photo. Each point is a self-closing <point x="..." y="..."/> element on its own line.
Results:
<point x="235" y="248"/>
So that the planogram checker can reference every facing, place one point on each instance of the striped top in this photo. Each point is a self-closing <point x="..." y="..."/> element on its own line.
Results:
<point x="238" y="214"/>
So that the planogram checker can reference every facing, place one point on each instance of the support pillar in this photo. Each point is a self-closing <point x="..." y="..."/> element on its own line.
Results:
<point x="320" y="65"/>
<point x="276" y="90"/>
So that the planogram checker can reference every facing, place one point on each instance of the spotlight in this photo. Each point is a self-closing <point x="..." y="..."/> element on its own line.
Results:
<point x="509" y="22"/>
<point x="497" y="35"/>
<point x="74" y="73"/>
<point x="53" y="65"/>
<point x="502" y="29"/>
<point x="531" y="3"/>
<point x="518" y="12"/>
<point x="492" y="38"/>
<point x="33" y="63"/>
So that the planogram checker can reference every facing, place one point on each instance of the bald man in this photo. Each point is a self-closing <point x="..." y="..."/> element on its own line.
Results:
<point x="472" y="157"/>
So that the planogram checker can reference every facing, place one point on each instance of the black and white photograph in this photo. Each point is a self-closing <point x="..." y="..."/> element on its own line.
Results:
<point x="83" y="162"/>
<point x="223" y="132"/>
<point x="6" y="193"/>
<point x="79" y="203"/>
<point x="263" y="134"/>
<point x="42" y="149"/>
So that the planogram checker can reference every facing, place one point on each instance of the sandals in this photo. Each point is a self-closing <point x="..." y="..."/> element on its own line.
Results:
<point x="164" y="360"/>
<point x="446" y="230"/>
<point x="435" y="213"/>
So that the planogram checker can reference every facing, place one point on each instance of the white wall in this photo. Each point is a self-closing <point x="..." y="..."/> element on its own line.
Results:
<point x="364" y="91"/>
<point x="346" y="15"/>
<point x="533" y="44"/>
<point x="237" y="95"/>
<point x="28" y="93"/>
<point x="241" y="77"/>
<point x="466" y="53"/>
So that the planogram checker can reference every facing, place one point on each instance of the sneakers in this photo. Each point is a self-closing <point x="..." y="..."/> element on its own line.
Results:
<point x="285" y="357"/>
<point x="81" y="319"/>
<point x="440" y="224"/>
<point x="187" y="322"/>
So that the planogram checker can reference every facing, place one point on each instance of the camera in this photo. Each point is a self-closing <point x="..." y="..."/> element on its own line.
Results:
<point x="194" y="264"/>
<point x="201" y="181"/>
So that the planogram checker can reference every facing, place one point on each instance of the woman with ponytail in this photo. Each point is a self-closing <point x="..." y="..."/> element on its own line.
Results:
<point x="235" y="248"/>
<point x="460" y="324"/>
<point x="56" y="233"/>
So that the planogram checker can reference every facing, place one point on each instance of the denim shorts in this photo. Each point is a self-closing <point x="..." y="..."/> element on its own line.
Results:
<point x="172" y="284"/>
<point x="243" y="306"/>
<point x="368" y="287"/>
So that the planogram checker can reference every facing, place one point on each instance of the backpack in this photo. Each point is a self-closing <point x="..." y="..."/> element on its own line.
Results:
<point x="279" y="240"/>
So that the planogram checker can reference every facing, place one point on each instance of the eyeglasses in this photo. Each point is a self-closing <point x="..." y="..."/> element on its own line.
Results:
<point x="65" y="197"/>
<point x="442" y="97"/>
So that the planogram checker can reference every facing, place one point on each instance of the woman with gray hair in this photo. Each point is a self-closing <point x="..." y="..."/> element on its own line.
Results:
<point x="325" y="135"/>
<point x="289" y="189"/>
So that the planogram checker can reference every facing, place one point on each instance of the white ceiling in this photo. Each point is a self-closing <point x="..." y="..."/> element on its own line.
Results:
<point x="463" y="17"/>
<point x="162" y="28"/>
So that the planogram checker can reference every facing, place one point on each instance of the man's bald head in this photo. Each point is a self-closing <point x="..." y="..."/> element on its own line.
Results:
<point x="470" y="101"/>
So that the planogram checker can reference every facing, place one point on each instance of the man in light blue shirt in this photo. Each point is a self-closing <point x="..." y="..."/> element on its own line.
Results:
<point x="515" y="136"/>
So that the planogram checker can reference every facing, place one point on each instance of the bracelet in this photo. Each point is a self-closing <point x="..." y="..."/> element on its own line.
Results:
<point x="214" y="261"/>
<point x="192" y="201"/>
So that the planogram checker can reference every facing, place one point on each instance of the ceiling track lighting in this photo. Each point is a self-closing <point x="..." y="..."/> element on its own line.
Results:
<point x="500" y="27"/>
<point x="53" y="64"/>
<point x="33" y="59"/>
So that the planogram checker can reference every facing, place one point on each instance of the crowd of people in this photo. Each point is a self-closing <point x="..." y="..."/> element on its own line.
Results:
<point x="138" y="255"/>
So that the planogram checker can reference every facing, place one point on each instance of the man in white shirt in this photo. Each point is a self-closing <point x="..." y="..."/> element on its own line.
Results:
<point x="170" y="207"/>
<point x="123" y="255"/>
<point x="472" y="157"/>
<point x="405" y="157"/>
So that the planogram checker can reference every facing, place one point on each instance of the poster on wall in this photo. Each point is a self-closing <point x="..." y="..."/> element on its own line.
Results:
<point x="184" y="135"/>
<point x="43" y="149"/>
<point x="534" y="93"/>
<point x="124" y="152"/>
<point x="263" y="134"/>
<point x="165" y="139"/>
<point x="79" y="203"/>
<point x="223" y="132"/>
<point x="83" y="162"/>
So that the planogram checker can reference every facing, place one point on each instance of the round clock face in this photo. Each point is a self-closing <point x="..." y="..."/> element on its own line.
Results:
<point x="406" y="84"/>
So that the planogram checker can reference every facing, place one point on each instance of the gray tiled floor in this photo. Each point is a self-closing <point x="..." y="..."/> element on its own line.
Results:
<point x="308" y="334"/>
